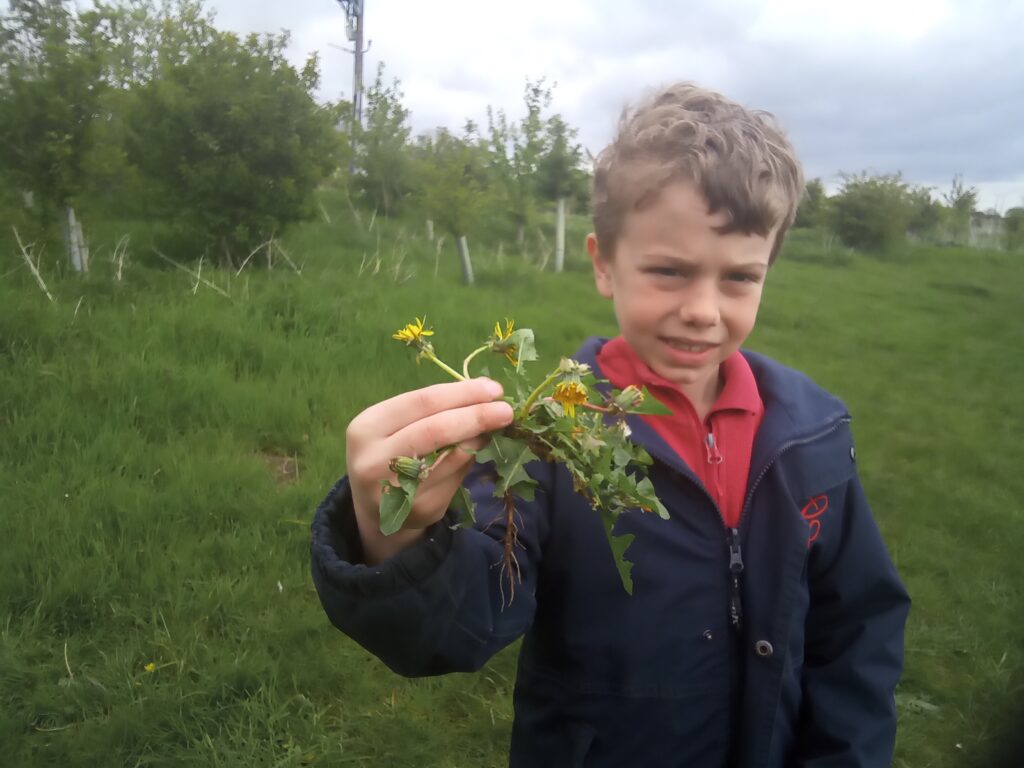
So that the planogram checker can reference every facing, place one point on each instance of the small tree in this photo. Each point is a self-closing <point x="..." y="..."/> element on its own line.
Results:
<point x="516" y="151"/>
<point x="871" y="212"/>
<point x="233" y="141"/>
<point x="960" y="202"/>
<point x="381" y="145"/>
<point x="449" y="168"/>
<point x="50" y="87"/>
<point x="926" y="214"/>
<point x="558" y="176"/>
<point x="1013" y="222"/>
<point x="813" y="202"/>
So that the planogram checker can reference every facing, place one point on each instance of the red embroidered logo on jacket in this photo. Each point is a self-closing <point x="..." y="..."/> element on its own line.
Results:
<point x="811" y="512"/>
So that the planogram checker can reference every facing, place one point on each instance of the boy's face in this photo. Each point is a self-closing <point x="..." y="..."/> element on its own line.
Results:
<point x="685" y="296"/>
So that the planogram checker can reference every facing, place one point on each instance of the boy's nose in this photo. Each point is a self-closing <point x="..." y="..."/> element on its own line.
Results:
<point x="699" y="307"/>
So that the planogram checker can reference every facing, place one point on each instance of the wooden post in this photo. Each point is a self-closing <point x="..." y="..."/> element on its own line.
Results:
<point x="467" y="265"/>
<point x="83" y="247"/>
<point x="71" y="239"/>
<point x="560" y="236"/>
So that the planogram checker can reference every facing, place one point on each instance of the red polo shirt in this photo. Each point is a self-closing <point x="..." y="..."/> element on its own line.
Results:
<point x="717" y="450"/>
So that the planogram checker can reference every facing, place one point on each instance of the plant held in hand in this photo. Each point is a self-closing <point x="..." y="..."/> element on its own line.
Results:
<point x="565" y="419"/>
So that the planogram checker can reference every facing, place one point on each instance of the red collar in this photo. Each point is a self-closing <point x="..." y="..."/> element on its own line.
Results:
<point x="621" y="365"/>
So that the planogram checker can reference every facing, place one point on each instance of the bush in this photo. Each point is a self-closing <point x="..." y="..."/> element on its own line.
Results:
<point x="1013" y="222"/>
<point x="926" y="214"/>
<point x="813" y="208"/>
<point x="232" y="142"/>
<point x="871" y="212"/>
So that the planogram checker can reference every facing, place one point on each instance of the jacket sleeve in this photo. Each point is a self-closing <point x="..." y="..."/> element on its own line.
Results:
<point x="853" y="654"/>
<point x="443" y="604"/>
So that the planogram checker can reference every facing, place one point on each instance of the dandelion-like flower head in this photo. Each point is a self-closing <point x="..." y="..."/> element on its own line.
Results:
<point x="413" y="334"/>
<point x="501" y="341"/>
<point x="570" y="394"/>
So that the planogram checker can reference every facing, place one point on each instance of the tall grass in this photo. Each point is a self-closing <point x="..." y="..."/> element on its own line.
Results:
<point x="162" y="450"/>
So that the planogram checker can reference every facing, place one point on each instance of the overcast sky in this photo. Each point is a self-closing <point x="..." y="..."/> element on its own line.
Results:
<point x="927" y="87"/>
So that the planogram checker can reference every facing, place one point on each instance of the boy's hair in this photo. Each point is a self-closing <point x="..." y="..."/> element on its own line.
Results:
<point x="738" y="158"/>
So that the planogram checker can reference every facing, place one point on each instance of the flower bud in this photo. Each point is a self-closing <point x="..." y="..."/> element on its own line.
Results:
<point x="628" y="398"/>
<point x="573" y="368"/>
<point x="417" y="469"/>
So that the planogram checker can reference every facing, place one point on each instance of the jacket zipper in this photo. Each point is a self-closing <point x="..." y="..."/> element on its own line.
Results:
<point x="714" y="457"/>
<point x="732" y="539"/>
<point x="732" y="535"/>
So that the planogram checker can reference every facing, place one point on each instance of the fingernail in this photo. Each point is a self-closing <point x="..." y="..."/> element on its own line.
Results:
<point x="493" y="388"/>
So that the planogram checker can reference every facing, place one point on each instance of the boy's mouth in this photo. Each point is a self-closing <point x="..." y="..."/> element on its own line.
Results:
<point x="686" y="345"/>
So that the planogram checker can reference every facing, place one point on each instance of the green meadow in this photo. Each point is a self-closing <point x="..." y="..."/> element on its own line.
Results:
<point x="163" y="446"/>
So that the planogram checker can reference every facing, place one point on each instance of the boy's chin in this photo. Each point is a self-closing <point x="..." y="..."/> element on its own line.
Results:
<point x="684" y="375"/>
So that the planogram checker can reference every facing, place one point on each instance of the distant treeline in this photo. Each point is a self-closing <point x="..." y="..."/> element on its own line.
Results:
<point x="138" y="109"/>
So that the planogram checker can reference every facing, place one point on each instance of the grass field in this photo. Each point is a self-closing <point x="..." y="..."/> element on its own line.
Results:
<point x="162" y="450"/>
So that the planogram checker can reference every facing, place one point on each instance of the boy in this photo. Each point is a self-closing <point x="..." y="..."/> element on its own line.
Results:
<point x="766" y="623"/>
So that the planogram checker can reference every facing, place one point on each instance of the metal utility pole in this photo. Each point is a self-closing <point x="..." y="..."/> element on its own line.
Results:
<point x="354" y="17"/>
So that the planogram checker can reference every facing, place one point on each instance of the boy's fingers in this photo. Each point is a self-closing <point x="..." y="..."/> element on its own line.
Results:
<point x="432" y="502"/>
<point x="447" y="428"/>
<point x="454" y="463"/>
<point x="390" y="416"/>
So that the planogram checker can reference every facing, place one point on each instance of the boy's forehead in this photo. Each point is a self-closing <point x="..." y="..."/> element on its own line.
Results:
<point x="678" y="203"/>
<point x="680" y="227"/>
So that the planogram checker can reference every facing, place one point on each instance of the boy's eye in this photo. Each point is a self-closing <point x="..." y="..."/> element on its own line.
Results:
<point x="743" y="277"/>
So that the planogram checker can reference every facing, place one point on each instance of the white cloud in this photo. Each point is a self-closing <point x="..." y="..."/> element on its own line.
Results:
<point x="922" y="86"/>
<point x="828" y="25"/>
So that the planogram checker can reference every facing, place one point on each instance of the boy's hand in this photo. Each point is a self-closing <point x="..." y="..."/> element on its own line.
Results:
<point x="415" y="424"/>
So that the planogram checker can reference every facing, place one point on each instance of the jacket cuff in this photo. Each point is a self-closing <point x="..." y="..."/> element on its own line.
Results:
<point x="337" y="550"/>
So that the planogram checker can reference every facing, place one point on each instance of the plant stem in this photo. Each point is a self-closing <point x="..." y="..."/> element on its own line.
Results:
<point x="474" y="353"/>
<point x="536" y="393"/>
<point x="444" y="367"/>
<point x="441" y="456"/>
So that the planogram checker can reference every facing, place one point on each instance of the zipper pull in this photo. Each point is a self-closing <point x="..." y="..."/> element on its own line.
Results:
<point x="711" y="448"/>
<point x="735" y="572"/>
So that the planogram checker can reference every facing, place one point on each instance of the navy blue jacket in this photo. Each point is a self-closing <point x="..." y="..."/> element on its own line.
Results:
<point x="664" y="677"/>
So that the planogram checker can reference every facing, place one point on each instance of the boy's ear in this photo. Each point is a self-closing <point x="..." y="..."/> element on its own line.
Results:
<point x="602" y="273"/>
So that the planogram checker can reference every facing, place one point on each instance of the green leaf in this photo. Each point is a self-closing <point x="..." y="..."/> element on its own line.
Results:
<point x="621" y="456"/>
<point x="509" y="456"/>
<point x="642" y="457"/>
<point x="526" y="352"/>
<point x="524" y="491"/>
<point x="409" y="485"/>
<point x="660" y="509"/>
<point x="462" y="501"/>
<point x="619" y="544"/>
<point x="651" y="406"/>
<point x="395" y="506"/>
<point x="646" y="489"/>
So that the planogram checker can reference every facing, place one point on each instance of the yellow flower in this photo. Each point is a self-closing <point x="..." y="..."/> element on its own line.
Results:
<point x="500" y="341"/>
<point x="509" y="326"/>
<point x="413" y="334"/>
<point x="570" y="394"/>
<point x="150" y="668"/>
